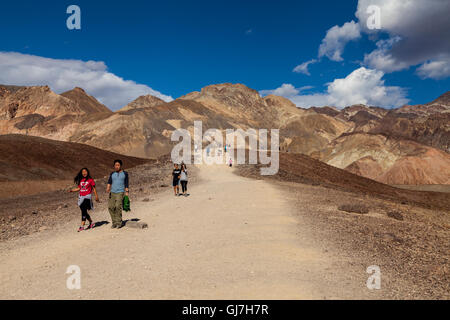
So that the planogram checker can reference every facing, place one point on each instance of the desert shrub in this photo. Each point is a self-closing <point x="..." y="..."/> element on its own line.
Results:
<point x="354" y="207"/>
<point x="395" y="215"/>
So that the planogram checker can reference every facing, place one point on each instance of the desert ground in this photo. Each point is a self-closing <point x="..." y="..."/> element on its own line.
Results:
<point x="234" y="237"/>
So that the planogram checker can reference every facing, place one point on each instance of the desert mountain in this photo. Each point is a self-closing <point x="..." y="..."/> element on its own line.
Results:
<point x="87" y="103"/>
<point x="20" y="102"/>
<point x="388" y="160"/>
<point x="146" y="101"/>
<point x="408" y="145"/>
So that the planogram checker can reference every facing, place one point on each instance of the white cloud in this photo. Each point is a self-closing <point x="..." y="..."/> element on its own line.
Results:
<point x="286" y="90"/>
<point x="381" y="59"/>
<point x="303" y="68"/>
<point x="418" y="34"/>
<point x="333" y="44"/>
<point x="434" y="69"/>
<point x="362" y="86"/>
<point x="62" y="75"/>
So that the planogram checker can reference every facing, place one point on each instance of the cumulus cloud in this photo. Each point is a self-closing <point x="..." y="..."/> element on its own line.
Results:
<point x="434" y="70"/>
<point x="416" y="32"/>
<point x="362" y="86"/>
<point x="418" y="35"/>
<point x="333" y="44"/>
<point x="303" y="68"/>
<point x="62" y="75"/>
<point x="286" y="90"/>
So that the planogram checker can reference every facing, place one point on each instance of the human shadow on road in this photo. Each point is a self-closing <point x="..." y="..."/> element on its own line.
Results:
<point x="100" y="223"/>
<point x="128" y="220"/>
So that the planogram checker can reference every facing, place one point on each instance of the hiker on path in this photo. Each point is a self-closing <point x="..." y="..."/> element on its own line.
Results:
<point x="117" y="188"/>
<point x="176" y="173"/>
<point x="230" y="163"/>
<point x="86" y="186"/>
<point x="184" y="179"/>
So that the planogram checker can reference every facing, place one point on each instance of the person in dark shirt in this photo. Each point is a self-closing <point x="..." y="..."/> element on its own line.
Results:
<point x="176" y="179"/>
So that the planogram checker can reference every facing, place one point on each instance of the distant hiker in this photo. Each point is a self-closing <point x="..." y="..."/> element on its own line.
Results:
<point x="176" y="173"/>
<point x="117" y="188"/>
<point x="184" y="179"/>
<point x="225" y="148"/>
<point x="86" y="186"/>
<point x="230" y="162"/>
<point x="208" y="150"/>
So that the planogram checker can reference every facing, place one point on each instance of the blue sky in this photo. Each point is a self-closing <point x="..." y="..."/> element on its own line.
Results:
<point x="175" y="47"/>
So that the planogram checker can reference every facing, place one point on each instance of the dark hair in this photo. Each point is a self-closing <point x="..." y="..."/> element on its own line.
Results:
<point x="80" y="177"/>
<point x="118" y="161"/>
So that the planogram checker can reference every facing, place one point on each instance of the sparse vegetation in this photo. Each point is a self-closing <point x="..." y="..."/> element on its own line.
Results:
<point x="354" y="208"/>
<point x="397" y="215"/>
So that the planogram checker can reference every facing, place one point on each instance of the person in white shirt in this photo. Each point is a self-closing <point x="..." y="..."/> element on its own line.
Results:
<point x="184" y="179"/>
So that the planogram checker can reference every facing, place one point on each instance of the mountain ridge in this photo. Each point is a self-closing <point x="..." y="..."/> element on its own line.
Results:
<point x="143" y="128"/>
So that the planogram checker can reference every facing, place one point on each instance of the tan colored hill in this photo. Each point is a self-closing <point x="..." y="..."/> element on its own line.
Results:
<point x="306" y="170"/>
<point x="146" y="101"/>
<point x="86" y="102"/>
<point x="40" y="112"/>
<point x="370" y="141"/>
<point x="301" y="130"/>
<point x="25" y="101"/>
<point x="388" y="160"/>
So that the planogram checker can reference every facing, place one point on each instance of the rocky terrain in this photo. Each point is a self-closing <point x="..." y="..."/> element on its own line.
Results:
<point x="31" y="165"/>
<point x="405" y="146"/>
<point x="46" y="209"/>
<point x="406" y="234"/>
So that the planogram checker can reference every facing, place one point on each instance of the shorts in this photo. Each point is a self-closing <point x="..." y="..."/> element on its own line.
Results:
<point x="176" y="182"/>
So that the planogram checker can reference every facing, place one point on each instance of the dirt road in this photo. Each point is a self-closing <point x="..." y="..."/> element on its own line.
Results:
<point x="232" y="238"/>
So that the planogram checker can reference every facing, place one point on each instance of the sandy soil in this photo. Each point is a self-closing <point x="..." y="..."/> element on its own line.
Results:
<point x="233" y="238"/>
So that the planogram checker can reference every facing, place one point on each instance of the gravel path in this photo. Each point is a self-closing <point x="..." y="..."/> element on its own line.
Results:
<point x="232" y="238"/>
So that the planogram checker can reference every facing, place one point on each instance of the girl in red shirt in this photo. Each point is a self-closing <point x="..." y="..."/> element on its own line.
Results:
<point x="86" y="186"/>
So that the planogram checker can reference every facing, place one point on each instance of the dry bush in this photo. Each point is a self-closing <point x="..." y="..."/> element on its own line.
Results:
<point x="354" y="207"/>
<point x="395" y="215"/>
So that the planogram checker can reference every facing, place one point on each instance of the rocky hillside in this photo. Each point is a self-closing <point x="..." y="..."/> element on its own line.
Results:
<point x="409" y="145"/>
<point x="87" y="103"/>
<point x="26" y="158"/>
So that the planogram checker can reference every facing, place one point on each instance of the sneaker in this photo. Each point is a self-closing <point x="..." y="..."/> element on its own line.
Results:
<point x="80" y="229"/>
<point x="113" y="226"/>
<point x="91" y="226"/>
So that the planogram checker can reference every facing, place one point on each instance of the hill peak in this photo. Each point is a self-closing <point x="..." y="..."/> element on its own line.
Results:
<point x="442" y="99"/>
<point x="86" y="102"/>
<point x="145" y="101"/>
